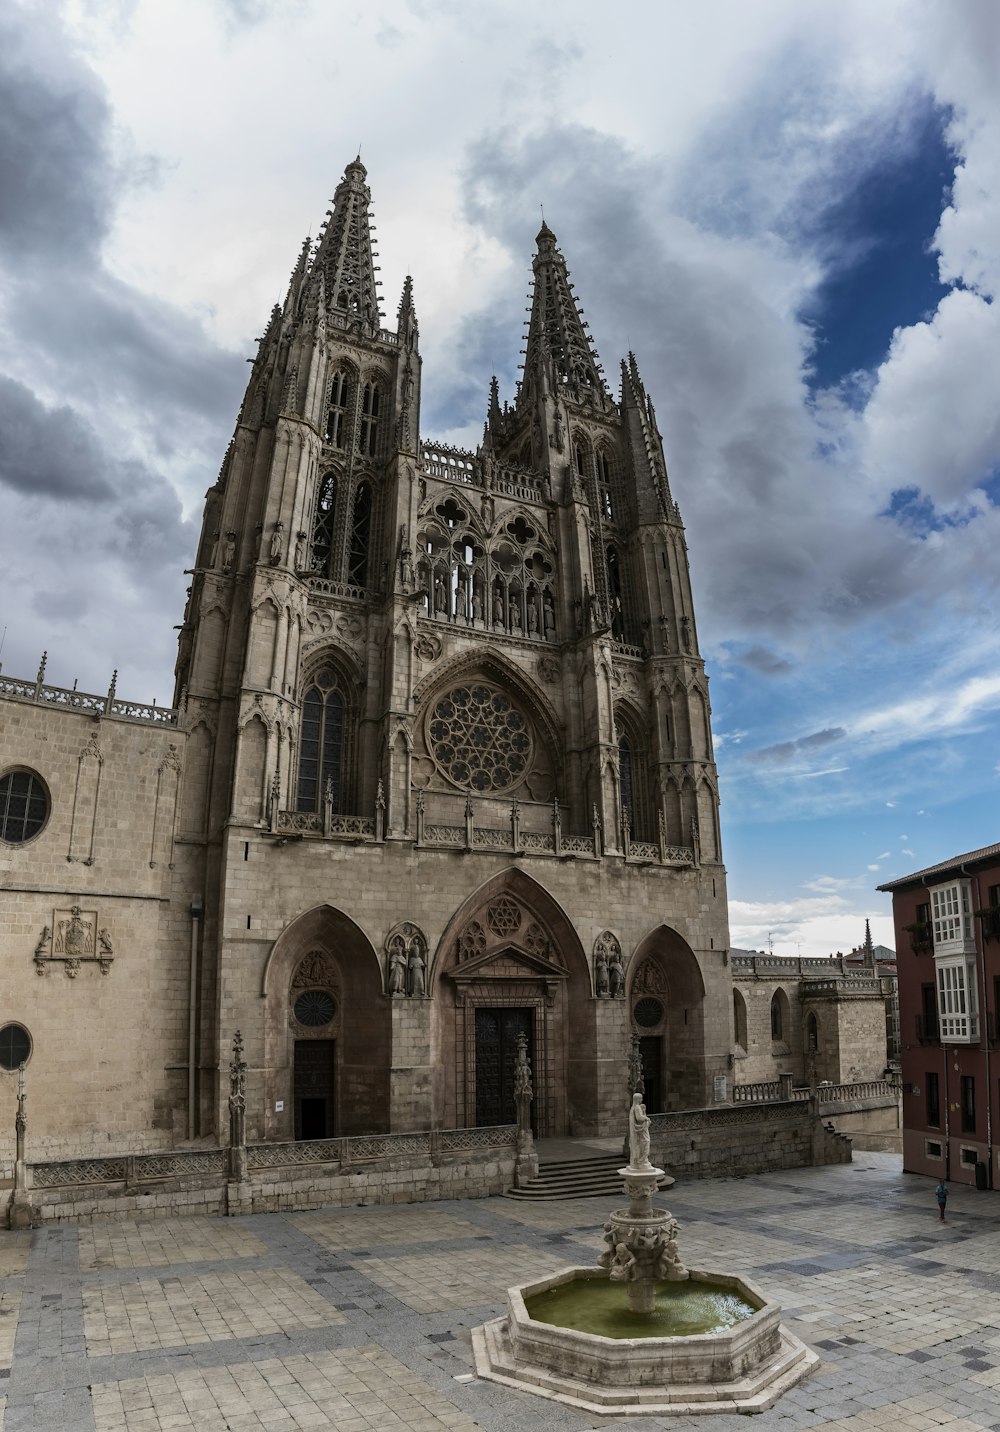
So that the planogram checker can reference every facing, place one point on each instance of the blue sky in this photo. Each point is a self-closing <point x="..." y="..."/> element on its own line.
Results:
<point x="791" y="213"/>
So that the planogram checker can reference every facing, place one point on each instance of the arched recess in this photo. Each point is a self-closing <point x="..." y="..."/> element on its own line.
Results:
<point x="324" y="950"/>
<point x="665" y="971"/>
<point x="634" y="776"/>
<point x="781" y="1026"/>
<point x="250" y="773"/>
<point x="739" y="1023"/>
<point x="328" y="732"/>
<point x="510" y="959"/>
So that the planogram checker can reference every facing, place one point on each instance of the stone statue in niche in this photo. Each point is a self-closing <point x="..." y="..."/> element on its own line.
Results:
<point x="276" y="544"/>
<point x="397" y="968"/>
<point x="532" y="616"/>
<point x="686" y="633"/>
<point x="514" y="612"/>
<point x="477" y="603"/>
<point x="601" y="975"/>
<point x="229" y="552"/>
<point x="461" y="602"/>
<point x="498" y="609"/>
<point x="416" y="966"/>
<point x="616" y="975"/>
<point x="440" y="598"/>
<point x="300" y="551"/>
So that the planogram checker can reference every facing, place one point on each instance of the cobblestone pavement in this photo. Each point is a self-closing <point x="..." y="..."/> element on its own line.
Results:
<point x="358" y="1319"/>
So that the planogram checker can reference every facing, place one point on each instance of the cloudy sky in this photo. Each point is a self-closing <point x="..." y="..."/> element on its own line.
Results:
<point x="791" y="212"/>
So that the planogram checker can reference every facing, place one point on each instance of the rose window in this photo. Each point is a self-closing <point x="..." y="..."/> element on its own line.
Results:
<point x="478" y="739"/>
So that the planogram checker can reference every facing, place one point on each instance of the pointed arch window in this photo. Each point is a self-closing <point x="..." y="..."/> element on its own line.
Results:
<point x="336" y="413"/>
<point x="361" y="525"/>
<point x="616" y="598"/>
<point x="740" y="1019"/>
<point x="368" y="432"/>
<point x="605" y="486"/>
<point x="812" y="1034"/>
<point x="321" y="743"/>
<point x="324" y="527"/>
<point x="625" y="778"/>
<point x="777" y="1020"/>
<point x="581" y="454"/>
<point x="633" y="776"/>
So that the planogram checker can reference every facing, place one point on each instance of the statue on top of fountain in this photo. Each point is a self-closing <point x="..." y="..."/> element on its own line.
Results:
<point x="638" y="1136"/>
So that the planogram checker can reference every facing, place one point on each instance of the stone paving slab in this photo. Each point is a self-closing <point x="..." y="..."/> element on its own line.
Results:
<point x="165" y="1242"/>
<point x="360" y="1319"/>
<point x="219" y="1307"/>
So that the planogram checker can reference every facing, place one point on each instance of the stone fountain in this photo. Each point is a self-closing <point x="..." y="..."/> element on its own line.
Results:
<point x="670" y="1340"/>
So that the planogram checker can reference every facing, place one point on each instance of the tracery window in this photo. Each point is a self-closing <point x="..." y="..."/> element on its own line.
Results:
<point x="324" y="527"/>
<point x="357" y="569"/>
<point x="478" y="739"/>
<point x="508" y="587"/>
<point x="625" y="777"/>
<point x="633" y="776"/>
<point x="368" y="431"/>
<point x="605" y="485"/>
<point x="777" y="1023"/>
<point x="336" y="413"/>
<point x="322" y="742"/>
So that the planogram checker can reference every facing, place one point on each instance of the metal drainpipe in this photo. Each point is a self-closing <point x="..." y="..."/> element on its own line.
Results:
<point x="985" y="1045"/>
<point x="197" y="910"/>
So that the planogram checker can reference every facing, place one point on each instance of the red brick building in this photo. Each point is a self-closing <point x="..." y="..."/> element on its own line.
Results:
<point x="947" y="920"/>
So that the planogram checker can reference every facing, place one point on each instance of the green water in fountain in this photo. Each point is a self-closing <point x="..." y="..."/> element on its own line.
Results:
<point x="595" y="1305"/>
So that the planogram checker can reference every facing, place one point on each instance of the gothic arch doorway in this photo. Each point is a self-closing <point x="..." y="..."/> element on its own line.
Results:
<point x="327" y="1031"/>
<point x="511" y="963"/>
<point x="666" y="1000"/>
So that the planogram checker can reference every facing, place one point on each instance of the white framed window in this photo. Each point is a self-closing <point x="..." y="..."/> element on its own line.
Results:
<point x="969" y="1157"/>
<point x="932" y="1149"/>
<point x="956" y="999"/>
<point x="951" y="918"/>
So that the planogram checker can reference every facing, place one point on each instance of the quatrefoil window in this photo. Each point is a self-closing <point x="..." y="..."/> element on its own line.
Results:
<point x="478" y="739"/>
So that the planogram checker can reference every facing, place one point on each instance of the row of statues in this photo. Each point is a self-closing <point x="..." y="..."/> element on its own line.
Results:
<point x="407" y="969"/>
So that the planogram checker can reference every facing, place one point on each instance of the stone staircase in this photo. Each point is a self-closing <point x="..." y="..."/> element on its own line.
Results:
<point x="596" y="1175"/>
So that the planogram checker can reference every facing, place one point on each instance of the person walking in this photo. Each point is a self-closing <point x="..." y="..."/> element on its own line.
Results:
<point x="941" y="1194"/>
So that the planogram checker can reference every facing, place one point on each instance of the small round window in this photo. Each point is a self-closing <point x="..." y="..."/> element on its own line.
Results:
<point x="648" y="1012"/>
<point x="24" y="806"/>
<point x="15" y="1046"/>
<point x="315" y="1008"/>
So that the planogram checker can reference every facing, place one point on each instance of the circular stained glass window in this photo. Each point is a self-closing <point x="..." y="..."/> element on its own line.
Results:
<point x="648" y="1013"/>
<point x="24" y="806"/>
<point x="478" y="739"/>
<point x="15" y="1046"/>
<point x="315" y="1008"/>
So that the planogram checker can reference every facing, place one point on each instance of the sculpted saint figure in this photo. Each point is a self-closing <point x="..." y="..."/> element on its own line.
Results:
<point x="638" y="1134"/>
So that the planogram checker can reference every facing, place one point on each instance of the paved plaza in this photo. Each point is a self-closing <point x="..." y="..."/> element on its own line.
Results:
<point x="359" y="1319"/>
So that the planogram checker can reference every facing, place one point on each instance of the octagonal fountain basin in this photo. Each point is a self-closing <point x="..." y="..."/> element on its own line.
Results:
<point x="739" y="1359"/>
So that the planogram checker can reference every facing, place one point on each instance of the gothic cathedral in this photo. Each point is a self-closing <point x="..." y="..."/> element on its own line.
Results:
<point x="441" y="767"/>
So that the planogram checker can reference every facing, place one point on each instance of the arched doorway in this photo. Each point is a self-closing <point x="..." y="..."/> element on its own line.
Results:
<point x="327" y="1031"/>
<point x="511" y="963"/>
<point x="666" y="1000"/>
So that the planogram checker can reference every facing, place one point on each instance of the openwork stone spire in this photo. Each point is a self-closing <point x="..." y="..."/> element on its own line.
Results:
<point x="345" y="256"/>
<point x="558" y="345"/>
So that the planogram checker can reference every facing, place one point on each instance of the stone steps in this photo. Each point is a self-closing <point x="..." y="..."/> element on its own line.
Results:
<point x="596" y="1176"/>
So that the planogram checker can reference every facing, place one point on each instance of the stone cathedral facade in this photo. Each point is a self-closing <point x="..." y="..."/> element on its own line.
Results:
<point x="439" y="770"/>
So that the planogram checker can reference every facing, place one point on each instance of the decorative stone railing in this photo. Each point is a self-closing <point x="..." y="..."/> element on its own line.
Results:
<point x="775" y="1090"/>
<point x="70" y="699"/>
<point x="307" y="822"/>
<point x="452" y="464"/>
<point x="328" y="587"/>
<point x="143" y="1169"/>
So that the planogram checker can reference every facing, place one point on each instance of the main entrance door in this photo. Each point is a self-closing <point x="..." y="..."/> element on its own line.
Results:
<point x="313" y="1088"/>
<point x="496" y="1051"/>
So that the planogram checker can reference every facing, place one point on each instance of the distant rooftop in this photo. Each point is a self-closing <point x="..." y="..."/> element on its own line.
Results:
<point x="988" y="852"/>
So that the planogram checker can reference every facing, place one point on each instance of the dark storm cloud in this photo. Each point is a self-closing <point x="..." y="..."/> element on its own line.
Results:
<point x="92" y="524"/>
<point x="765" y="662"/>
<point x="56" y="179"/>
<point x="48" y="451"/>
<point x="786" y="751"/>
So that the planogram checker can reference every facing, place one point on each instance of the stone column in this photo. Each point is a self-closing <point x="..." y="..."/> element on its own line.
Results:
<point x="239" y="1194"/>
<point x="20" y="1211"/>
<point x="526" y="1161"/>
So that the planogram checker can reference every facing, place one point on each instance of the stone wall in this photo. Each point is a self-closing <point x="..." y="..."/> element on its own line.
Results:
<point x="758" y="1138"/>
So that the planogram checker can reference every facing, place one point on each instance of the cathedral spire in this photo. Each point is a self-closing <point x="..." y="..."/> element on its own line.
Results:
<point x="345" y="255"/>
<point x="869" y="948"/>
<point x="637" y="409"/>
<point x="558" y="345"/>
<point x="297" y="279"/>
<point x="407" y="328"/>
